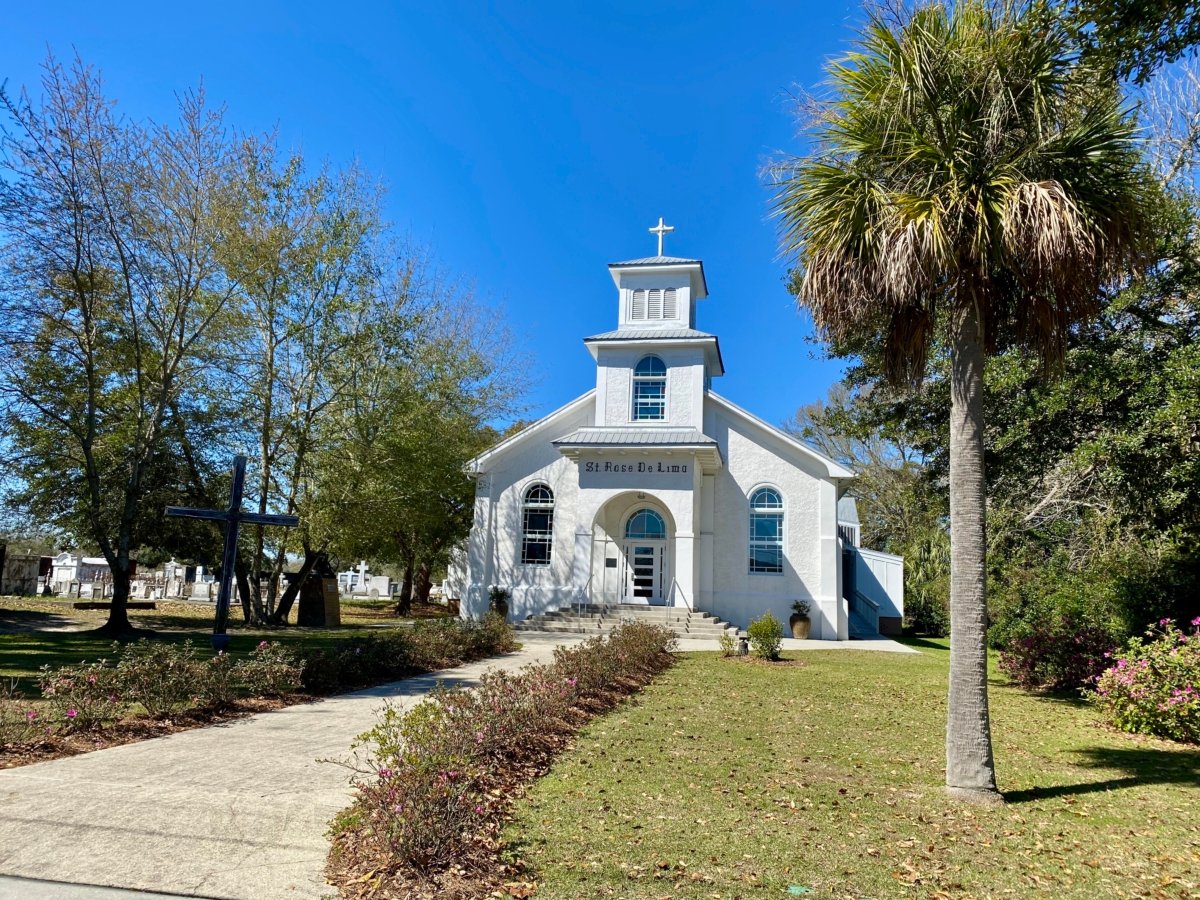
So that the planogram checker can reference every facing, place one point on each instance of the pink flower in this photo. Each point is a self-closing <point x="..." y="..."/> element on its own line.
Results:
<point x="1196" y="621"/>
<point x="262" y="645"/>
<point x="71" y="713"/>
<point x="31" y="715"/>
<point x="385" y="773"/>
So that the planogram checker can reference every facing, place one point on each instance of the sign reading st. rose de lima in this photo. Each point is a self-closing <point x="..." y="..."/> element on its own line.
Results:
<point x="615" y="468"/>
<point x="652" y="488"/>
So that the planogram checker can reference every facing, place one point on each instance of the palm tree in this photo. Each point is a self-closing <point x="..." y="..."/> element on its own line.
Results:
<point x="970" y="183"/>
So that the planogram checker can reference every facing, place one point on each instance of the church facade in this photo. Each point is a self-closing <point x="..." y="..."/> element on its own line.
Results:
<point x="653" y="489"/>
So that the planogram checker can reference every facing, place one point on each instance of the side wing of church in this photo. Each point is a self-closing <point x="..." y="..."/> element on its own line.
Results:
<point x="652" y="489"/>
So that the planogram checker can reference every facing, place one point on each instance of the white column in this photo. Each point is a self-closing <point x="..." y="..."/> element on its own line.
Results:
<point x="834" y="621"/>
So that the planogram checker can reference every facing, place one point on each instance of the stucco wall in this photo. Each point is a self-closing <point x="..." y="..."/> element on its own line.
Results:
<point x="685" y="384"/>
<point x="751" y="462"/>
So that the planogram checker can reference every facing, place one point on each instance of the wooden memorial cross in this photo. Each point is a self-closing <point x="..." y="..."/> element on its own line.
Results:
<point x="232" y="517"/>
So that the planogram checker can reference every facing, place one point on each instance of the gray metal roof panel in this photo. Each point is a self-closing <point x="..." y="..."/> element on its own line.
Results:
<point x="656" y="261"/>
<point x="847" y="511"/>
<point x="637" y="436"/>
<point x="651" y="334"/>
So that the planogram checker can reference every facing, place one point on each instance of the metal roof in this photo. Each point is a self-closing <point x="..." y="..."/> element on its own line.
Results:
<point x="651" y="334"/>
<point x="847" y="511"/>
<point x="639" y="436"/>
<point x="656" y="261"/>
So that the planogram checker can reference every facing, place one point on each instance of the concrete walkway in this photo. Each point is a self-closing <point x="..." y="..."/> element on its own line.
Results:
<point x="238" y="810"/>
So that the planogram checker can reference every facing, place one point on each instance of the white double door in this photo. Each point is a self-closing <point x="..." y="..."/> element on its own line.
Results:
<point x="645" y="572"/>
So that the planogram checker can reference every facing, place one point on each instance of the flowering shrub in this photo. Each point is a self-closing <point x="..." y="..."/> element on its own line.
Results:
<point x="1154" y="685"/>
<point x="766" y="636"/>
<point x="19" y="722"/>
<point x="160" y="676"/>
<point x="1062" y="653"/>
<point x="270" y="671"/>
<point x="81" y="697"/>
<point x="437" y="773"/>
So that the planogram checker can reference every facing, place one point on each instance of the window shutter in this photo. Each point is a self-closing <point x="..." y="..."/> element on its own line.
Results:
<point x="639" y="304"/>
<point x="669" y="310"/>
<point x="654" y="310"/>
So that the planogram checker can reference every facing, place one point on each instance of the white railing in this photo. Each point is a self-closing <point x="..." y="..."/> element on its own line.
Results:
<point x="867" y="609"/>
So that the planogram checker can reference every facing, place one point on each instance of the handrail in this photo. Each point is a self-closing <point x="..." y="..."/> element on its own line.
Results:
<point x="874" y="608"/>
<point x="671" y="603"/>
<point x="584" y="593"/>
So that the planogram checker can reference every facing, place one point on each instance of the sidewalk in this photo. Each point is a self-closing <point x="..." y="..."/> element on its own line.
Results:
<point x="237" y="810"/>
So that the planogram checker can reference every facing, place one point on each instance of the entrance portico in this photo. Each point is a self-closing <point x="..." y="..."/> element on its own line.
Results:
<point x="643" y="504"/>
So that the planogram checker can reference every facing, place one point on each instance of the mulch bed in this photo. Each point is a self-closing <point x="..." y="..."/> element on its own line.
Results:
<point x="134" y="728"/>
<point x="361" y="869"/>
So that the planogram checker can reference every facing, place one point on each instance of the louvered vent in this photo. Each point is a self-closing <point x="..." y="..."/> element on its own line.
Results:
<point x="654" y="307"/>
<point x="639" y="305"/>
<point x="655" y="304"/>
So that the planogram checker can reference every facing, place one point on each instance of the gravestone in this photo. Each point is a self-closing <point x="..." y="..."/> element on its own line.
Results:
<point x="202" y="590"/>
<point x="320" y="602"/>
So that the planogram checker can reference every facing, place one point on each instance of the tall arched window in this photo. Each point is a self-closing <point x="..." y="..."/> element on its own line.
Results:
<point x="537" y="526"/>
<point x="645" y="525"/>
<point x="766" y="532"/>
<point x="650" y="390"/>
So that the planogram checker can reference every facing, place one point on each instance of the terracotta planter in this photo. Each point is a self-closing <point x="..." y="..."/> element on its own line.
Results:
<point x="801" y="626"/>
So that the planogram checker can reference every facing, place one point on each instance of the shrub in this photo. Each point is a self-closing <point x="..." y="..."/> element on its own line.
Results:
<point x="216" y="682"/>
<point x="435" y="771"/>
<point x="728" y="644"/>
<point x="766" y="636"/>
<point x="1154" y="685"/>
<point x="1061" y="654"/>
<point x="159" y="676"/>
<point x="19" y="722"/>
<point x="82" y="696"/>
<point x="269" y="671"/>
<point x="430" y="644"/>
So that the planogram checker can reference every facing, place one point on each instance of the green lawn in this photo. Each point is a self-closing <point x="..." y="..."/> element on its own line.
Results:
<point x="27" y="643"/>
<point x="731" y="779"/>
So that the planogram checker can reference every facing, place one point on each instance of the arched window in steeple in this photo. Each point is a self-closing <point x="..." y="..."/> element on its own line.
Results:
<point x="650" y="390"/>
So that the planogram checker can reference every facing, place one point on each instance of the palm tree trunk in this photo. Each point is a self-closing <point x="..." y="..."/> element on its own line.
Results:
<point x="970" y="770"/>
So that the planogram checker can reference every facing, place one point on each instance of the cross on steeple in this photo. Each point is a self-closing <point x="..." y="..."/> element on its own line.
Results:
<point x="660" y="230"/>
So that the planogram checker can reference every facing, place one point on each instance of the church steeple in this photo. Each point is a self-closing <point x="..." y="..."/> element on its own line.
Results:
<point x="658" y="291"/>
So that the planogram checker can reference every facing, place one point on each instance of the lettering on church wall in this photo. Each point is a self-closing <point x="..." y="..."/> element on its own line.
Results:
<point x="649" y="468"/>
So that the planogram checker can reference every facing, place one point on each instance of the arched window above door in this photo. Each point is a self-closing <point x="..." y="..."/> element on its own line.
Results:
<point x="645" y="525"/>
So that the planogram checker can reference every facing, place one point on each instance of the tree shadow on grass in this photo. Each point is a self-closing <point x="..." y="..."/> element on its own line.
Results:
<point x="1140" y="765"/>
<point x="16" y="621"/>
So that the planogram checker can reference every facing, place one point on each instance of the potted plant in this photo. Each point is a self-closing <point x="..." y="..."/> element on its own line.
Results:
<point x="799" y="621"/>
<point x="498" y="599"/>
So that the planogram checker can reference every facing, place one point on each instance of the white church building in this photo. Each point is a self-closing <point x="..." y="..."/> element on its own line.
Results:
<point x="653" y="489"/>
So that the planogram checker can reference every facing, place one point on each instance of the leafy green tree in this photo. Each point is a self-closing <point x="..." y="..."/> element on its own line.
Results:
<point x="964" y="172"/>
<point x="303" y="254"/>
<point x="391" y="486"/>
<point x="1137" y="37"/>
<point x="111" y="289"/>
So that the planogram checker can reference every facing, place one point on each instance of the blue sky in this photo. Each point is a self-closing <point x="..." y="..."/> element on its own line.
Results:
<point x="528" y="144"/>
